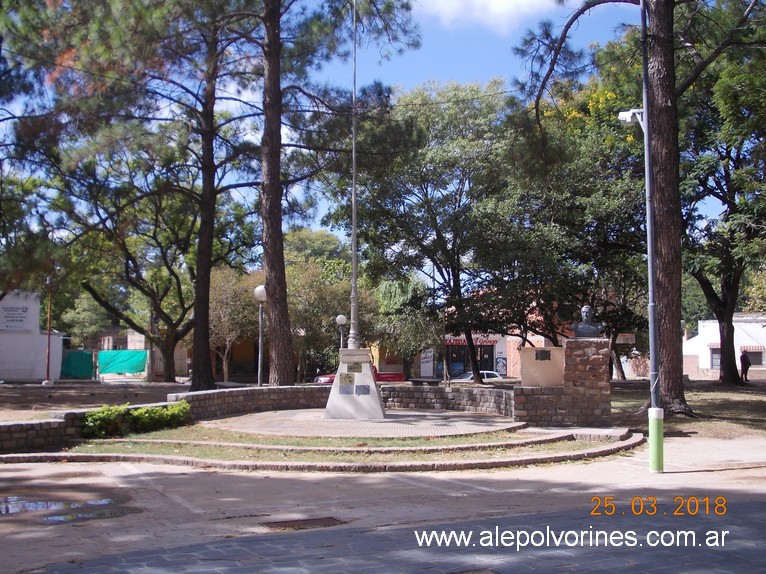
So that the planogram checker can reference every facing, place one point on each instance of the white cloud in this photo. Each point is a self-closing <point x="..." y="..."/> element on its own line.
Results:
<point x="500" y="16"/>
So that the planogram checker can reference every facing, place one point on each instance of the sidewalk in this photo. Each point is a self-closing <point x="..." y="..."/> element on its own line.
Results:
<point x="168" y="519"/>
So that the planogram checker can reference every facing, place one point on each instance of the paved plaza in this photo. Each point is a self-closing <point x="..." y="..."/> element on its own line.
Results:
<point x="397" y="423"/>
<point x="604" y="515"/>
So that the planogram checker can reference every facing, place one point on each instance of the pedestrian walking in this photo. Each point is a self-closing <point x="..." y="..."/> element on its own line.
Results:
<point x="744" y="361"/>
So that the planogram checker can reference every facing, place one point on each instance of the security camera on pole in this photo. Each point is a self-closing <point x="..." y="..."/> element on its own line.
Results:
<point x="641" y="116"/>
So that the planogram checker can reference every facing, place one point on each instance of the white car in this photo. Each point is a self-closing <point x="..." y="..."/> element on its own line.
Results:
<point x="486" y="376"/>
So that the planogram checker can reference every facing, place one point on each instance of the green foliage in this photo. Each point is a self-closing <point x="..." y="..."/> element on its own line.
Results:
<point x="325" y="249"/>
<point x="303" y="244"/>
<point x="409" y="322"/>
<point x="85" y="321"/>
<point x="107" y="421"/>
<point x="148" y="419"/>
<point x="28" y="255"/>
<point x="569" y="227"/>
<point x="145" y="102"/>
<point x="755" y="292"/>
<point x="120" y="420"/>
<point x="233" y="311"/>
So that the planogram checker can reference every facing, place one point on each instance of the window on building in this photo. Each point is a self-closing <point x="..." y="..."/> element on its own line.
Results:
<point x="715" y="358"/>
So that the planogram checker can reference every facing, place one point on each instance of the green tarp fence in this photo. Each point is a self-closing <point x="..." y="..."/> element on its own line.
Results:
<point x="77" y="365"/>
<point x="121" y="362"/>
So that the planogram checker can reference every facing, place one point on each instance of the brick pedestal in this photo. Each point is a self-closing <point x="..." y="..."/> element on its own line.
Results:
<point x="585" y="397"/>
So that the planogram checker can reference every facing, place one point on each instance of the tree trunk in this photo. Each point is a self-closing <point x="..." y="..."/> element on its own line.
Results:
<point x="225" y="356"/>
<point x="472" y="355"/>
<point x="280" y="337"/>
<point x="407" y="368"/>
<point x="663" y="118"/>
<point x="723" y="307"/>
<point x="618" y="371"/>
<point x="729" y="373"/>
<point x="168" y="351"/>
<point x="202" y="367"/>
<point x="300" y="368"/>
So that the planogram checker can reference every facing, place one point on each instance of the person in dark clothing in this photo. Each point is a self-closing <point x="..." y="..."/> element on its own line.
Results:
<point x="744" y="361"/>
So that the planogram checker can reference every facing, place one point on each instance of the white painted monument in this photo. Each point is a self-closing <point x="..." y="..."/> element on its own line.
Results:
<point x="354" y="394"/>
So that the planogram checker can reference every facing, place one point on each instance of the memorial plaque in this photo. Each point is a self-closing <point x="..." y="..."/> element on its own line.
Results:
<point x="362" y="390"/>
<point x="346" y="383"/>
<point x="354" y="367"/>
<point x="542" y="355"/>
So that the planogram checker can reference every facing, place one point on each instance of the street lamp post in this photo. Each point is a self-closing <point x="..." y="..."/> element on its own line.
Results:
<point x="354" y="394"/>
<point x="260" y="295"/>
<point x="353" y="331"/>
<point x="340" y="320"/>
<point x="47" y="380"/>
<point x="641" y="116"/>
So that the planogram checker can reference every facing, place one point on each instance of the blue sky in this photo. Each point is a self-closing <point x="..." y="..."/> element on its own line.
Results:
<point x="472" y="40"/>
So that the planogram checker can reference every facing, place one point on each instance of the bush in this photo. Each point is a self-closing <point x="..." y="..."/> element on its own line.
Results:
<point x="108" y="421"/>
<point x="118" y="421"/>
<point x="148" y="419"/>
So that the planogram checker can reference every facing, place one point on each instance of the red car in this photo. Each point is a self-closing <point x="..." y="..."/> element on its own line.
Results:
<point x="387" y="377"/>
<point x="329" y="378"/>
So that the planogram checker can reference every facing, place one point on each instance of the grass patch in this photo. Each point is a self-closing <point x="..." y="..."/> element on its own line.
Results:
<point x="722" y="411"/>
<point x="254" y="454"/>
<point x="203" y="432"/>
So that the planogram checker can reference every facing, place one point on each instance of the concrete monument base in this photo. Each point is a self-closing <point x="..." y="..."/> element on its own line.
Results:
<point x="354" y="394"/>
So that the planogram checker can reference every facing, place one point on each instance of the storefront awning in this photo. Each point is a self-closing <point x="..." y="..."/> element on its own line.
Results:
<point x="751" y="348"/>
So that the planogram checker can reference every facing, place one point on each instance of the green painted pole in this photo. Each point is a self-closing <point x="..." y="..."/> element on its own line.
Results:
<point x="656" y="432"/>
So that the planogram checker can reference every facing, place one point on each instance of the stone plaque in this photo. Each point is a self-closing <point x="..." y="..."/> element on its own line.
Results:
<point x="346" y="384"/>
<point x="346" y="379"/>
<point x="542" y="355"/>
<point x="354" y="367"/>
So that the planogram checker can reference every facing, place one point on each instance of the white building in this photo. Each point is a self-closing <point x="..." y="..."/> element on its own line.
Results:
<point x="702" y="354"/>
<point x="26" y="353"/>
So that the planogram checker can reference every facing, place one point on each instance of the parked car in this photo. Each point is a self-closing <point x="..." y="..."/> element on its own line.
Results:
<point x="486" y="377"/>
<point x="329" y="378"/>
<point x="386" y="377"/>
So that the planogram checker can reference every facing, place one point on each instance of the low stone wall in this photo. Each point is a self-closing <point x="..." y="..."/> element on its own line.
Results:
<point x="561" y="406"/>
<point x="536" y="406"/>
<point x="43" y="435"/>
<point x="54" y="434"/>
<point x="468" y="399"/>
<point x="229" y="402"/>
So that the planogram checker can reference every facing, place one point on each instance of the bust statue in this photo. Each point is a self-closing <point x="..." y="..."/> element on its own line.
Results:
<point x="586" y="327"/>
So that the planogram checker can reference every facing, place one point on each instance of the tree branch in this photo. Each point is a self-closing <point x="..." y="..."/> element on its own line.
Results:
<point x="560" y="45"/>
<point x="727" y="41"/>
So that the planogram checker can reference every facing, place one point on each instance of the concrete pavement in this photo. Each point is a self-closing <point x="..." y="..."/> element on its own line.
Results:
<point x="143" y="518"/>
<point x="394" y="550"/>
